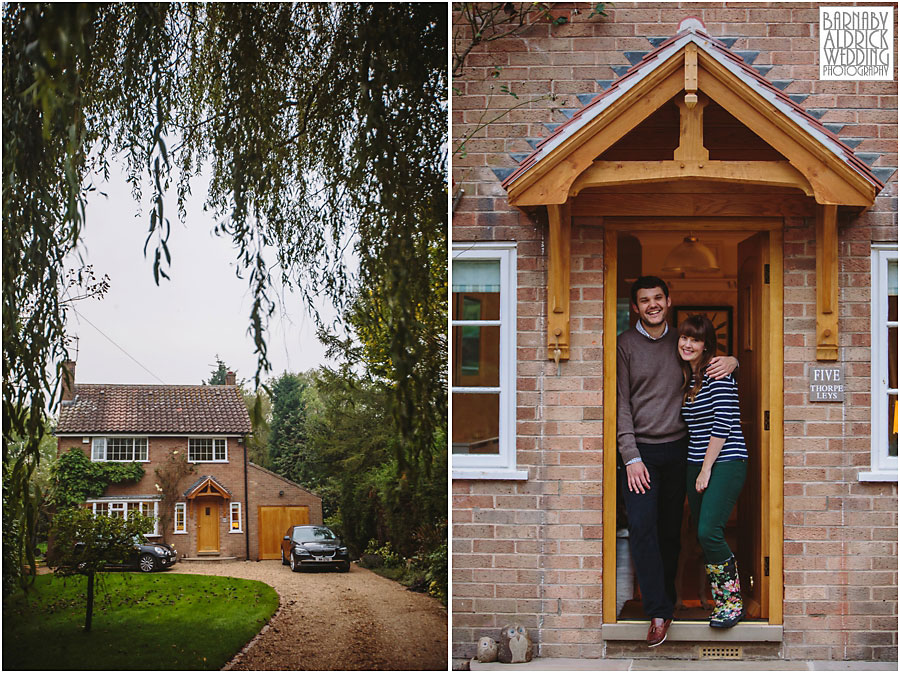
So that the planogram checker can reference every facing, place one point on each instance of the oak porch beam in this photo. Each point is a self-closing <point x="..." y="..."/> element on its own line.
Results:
<point x="558" y="282"/>
<point x="773" y="173"/>
<point x="826" y="283"/>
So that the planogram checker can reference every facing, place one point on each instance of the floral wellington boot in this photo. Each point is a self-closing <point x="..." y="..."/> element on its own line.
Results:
<point x="726" y="591"/>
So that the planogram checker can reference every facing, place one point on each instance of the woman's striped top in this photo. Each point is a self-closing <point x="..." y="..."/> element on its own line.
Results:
<point x="715" y="412"/>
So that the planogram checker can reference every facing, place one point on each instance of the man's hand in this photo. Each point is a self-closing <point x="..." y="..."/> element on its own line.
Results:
<point x="721" y="366"/>
<point x="638" y="477"/>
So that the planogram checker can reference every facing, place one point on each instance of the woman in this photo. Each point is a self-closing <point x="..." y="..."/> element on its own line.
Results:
<point x="717" y="462"/>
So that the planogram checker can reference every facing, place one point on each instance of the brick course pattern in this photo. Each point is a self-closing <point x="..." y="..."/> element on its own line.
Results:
<point x="531" y="550"/>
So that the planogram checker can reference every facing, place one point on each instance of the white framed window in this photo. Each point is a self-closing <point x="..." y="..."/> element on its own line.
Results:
<point x="127" y="507"/>
<point x="483" y="361"/>
<point x="207" y="450"/>
<point x="884" y="365"/>
<point x="234" y="519"/>
<point x="180" y="519"/>
<point x="119" y="449"/>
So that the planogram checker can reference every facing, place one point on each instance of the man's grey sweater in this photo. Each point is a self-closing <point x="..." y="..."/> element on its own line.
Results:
<point x="648" y="392"/>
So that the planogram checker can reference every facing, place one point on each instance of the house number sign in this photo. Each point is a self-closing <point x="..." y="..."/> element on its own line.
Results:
<point x="826" y="383"/>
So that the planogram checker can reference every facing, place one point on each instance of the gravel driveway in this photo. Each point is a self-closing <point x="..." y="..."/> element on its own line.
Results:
<point x="331" y="621"/>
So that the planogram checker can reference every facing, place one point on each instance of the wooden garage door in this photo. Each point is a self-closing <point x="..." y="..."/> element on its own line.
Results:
<point x="273" y="522"/>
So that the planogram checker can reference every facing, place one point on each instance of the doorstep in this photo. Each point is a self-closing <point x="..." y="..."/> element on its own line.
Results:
<point x="559" y="664"/>
<point x="697" y="632"/>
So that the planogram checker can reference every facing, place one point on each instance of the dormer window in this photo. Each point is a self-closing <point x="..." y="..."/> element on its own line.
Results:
<point x="207" y="450"/>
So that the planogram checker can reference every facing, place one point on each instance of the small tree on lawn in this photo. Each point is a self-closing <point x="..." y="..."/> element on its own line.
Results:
<point x="86" y="544"/>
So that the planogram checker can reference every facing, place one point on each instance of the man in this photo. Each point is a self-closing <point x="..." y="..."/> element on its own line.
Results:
<point x="652" y="441"/>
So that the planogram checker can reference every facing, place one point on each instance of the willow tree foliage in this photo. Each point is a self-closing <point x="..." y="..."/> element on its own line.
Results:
<point x="321" y="126"/>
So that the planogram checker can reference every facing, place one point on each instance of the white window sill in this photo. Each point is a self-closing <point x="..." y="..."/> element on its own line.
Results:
<point x="235" y="531"/>
<point x="880" y="475"/>
<point x="519" y="475"/>
<point x="179" y="532"/>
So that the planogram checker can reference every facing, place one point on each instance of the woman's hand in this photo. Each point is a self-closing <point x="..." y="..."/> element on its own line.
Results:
<point x="702" y="481"/>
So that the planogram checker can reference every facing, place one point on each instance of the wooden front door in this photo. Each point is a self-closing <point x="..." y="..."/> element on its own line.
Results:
<point x="207" y="524"/>
<point x="273" y="522"/>
<point x="752" y="350"/>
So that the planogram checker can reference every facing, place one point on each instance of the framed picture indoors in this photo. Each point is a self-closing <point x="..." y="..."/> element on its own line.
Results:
<point x="719" y="316"/>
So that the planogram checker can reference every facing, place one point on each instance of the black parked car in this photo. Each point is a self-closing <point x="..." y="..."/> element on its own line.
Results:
<point x="309" y="546"/>
<point x="147" y="556"/>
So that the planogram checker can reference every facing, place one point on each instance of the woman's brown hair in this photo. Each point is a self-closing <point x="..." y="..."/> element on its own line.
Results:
<point x="700" y="328"/>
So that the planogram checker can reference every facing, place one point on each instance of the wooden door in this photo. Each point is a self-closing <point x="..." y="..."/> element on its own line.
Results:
<point x="273" y="522"/>
<point x="207" y="524"/>
<point x="753" y="375"/>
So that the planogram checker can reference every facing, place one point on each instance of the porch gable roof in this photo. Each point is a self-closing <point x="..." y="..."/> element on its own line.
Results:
<point x="802" y="127"/>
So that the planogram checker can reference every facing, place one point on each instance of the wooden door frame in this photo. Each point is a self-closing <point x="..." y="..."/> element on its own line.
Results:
<point x="771" y="399"/>
<point x="203" y="500"/>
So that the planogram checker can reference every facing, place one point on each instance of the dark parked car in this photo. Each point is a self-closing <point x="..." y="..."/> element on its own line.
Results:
<point x="147" y="556"/>
<point x="310" y="546"/>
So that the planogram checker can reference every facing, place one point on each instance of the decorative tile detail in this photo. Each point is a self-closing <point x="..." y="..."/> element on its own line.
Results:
<point x="748" y="56"/>
<point x="884" y="173"/>
<point x="869" y="157"/>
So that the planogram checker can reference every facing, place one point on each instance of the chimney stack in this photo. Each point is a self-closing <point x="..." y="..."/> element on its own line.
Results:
<point x="229" y="378"/>
<point x="68" y="381"/>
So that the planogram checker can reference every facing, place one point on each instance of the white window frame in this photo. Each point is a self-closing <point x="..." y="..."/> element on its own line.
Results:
<point x="123" y="507"/>
<point x="213" y="440"/>
<point x="180" y="507"/>
<point x="99" y="451"/>
<point x="235" y="507"/>
<point x="502" y="465"/>
<point x="883" y="467"/>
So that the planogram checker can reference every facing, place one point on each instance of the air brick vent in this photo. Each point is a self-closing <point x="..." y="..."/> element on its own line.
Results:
<point x="721" y="652"/>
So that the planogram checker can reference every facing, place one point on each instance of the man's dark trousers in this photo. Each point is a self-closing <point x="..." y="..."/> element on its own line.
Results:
<point x="654" y="524"/>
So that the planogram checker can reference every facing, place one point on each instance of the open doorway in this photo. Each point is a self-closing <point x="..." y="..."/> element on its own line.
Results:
<point x="735" y="296"/>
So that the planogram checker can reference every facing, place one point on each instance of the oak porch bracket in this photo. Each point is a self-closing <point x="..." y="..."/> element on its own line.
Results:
<point x="826" y="283"/>
<point x="558" y="282"/>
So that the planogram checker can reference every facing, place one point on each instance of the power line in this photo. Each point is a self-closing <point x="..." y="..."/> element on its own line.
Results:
<point x="118" y="346"/>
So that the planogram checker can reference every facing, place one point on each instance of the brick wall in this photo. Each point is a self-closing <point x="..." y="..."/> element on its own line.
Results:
<point x="265" y="488"/>
<point x="532" y="550"/>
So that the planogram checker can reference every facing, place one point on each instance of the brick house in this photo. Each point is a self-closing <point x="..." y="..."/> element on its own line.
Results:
<point x="228" y="506"/>
<point x="717" y="130"/>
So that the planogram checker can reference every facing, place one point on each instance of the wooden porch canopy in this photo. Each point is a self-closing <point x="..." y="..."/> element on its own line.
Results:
<point x="206" y="486"/>
<point x="796" y="156"/>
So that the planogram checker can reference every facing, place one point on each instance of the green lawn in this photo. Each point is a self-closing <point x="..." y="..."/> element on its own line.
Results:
<point x="159" y="621"/>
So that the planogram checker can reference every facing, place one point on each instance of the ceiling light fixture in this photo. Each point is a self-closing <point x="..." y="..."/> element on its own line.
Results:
<point x="690" y="255"/>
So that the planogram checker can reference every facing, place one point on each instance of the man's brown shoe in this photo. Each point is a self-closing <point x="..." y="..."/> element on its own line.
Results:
<point x="658" y="630"/>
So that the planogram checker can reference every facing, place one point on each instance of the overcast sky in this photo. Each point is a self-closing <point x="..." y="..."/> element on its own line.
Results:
<point x="175" y="330"/>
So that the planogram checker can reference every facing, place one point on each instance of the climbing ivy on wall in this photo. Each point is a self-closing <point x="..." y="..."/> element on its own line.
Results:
<point x="76" y="478"/>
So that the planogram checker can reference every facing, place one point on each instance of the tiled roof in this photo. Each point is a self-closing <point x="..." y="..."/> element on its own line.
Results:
<point x="154" y="409"/>
<point x="734" y="63"/>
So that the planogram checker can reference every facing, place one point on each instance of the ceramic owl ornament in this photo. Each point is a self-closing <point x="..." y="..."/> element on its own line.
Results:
<point x="487" y="650"/>
<point x="515" y="645"/>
